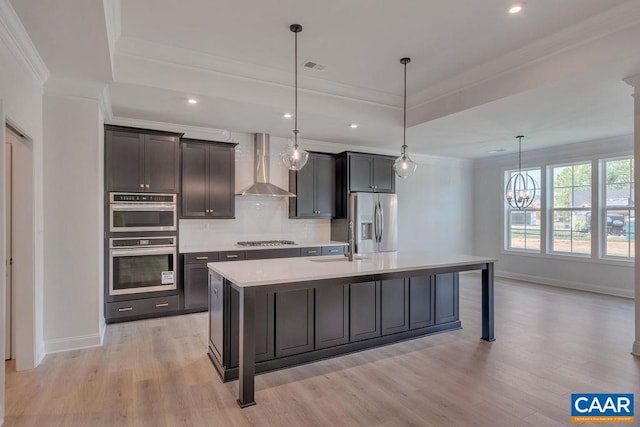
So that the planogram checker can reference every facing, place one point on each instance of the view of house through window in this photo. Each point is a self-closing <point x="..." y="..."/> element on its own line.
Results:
<point x="524" y="225"/>
<point x="571" y="195"/>
<point x="619" y="226"/>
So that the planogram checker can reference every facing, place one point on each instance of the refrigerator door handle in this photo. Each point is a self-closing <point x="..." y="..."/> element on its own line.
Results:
<point x="375" y="222"/>
<point x="381" y="228"/>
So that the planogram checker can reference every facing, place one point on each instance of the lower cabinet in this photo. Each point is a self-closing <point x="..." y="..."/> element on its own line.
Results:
<point x="364" y="309"/>
<point x="294" y="322"/>
<point x="333" y="318"/>
<point x="264" y="331"/>
<point x="421" y="308"/>
<point x="332" y="315"/>
<point x="395" y="306"/>
<point x="446" y="298"/>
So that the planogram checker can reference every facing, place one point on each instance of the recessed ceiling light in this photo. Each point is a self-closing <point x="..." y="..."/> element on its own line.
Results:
<point x="354" y="126"/>
<point x="192" y="101"/>
<point x="287" y="115"/>
<point x="516" y="8"/>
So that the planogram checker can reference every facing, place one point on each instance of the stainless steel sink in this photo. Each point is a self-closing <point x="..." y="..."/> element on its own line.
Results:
<point x="335" y="259"/>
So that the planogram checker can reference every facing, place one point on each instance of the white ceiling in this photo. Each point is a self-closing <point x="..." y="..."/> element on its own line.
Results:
<point x="478" y="75"/>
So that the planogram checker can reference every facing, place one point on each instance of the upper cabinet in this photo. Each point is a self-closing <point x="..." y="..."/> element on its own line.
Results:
<point x="208" y="179"/>
<point x="358" y="172"/>
<point x="314" y="187"/>
<point x="142" y="160"/>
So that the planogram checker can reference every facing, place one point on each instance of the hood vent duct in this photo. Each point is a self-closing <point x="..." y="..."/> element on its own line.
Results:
<point x="261" y="185"/>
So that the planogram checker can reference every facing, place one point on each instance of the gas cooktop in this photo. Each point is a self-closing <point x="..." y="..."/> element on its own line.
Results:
<point x="266" y="243"/>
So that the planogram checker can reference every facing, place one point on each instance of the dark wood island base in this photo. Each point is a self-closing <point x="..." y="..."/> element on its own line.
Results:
<point x="256" y="329"/>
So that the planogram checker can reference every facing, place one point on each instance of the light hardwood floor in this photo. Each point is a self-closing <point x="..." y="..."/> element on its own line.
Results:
<point x="550" y="343"/>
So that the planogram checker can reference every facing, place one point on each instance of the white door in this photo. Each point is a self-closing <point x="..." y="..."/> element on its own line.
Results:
<point x="8" y="299"/>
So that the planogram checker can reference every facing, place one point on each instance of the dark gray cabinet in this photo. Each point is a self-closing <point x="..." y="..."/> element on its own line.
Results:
<point x="364" y="309"/>
<point x="371" y="174"/>
<point x="195" y="280"/>
<point x="421" y="313"/>
<point x="332" y="315"/>
<point x="314" y="187"/>
<point x="359" y="172"/>
<point x="141" y="160"/>
<point x="294" y="322"/>
<point x="446" y="296"/>
<point x="394" y="300"/>
<point x="208" y="179"/>
<point x="264" y="331"/>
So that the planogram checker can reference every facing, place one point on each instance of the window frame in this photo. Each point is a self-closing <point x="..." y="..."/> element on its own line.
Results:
<point x="551" y="209"/>
<point x="602" y="228"/>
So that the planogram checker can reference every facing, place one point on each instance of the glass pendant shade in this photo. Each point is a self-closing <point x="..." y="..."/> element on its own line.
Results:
<point x="404" y="166"/>
<point x="294" y="157"/>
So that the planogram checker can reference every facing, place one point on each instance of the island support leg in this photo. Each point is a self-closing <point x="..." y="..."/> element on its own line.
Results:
<point x="247" y="362"/>
<point x="487" y="303"/>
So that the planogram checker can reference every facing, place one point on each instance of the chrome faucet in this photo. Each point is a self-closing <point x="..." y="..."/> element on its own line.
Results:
<point x="349" y="253"/>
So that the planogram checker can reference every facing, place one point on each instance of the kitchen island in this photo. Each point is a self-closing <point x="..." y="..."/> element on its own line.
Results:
<point x="269" y="314"/>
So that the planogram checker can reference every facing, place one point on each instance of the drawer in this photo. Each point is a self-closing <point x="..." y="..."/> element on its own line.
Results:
<point x="333" y="250"/>
<point x="121" y="309"/>
<point x="231" y="256"/>
<point x="273" y="253"/>
<point x="311" y="251"/>
<point x="200" y="257"/>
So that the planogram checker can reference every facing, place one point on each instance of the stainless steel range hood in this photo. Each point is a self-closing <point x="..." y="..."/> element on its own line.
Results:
<point x="262" y="186"/>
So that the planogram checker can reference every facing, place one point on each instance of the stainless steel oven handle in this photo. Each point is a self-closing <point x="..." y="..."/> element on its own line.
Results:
<point x="171" y="250"/>
<point x="164" y="207"/>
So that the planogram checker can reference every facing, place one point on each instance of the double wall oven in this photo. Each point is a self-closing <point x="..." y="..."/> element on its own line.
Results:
<point x="142" y="243"/>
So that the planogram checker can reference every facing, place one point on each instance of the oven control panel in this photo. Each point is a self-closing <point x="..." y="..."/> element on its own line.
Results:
<point x="142" y="198"/>
<point x="141" y="242"/>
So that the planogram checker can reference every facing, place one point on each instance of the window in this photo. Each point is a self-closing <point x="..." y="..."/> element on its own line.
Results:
<point x="619" y="215"/>
<point x="523" y="226"/>
<point x="571" y="209"/>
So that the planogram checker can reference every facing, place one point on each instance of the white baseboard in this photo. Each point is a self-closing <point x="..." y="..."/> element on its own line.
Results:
<point x="72" y="343"/>
<point x="617" y="292"/>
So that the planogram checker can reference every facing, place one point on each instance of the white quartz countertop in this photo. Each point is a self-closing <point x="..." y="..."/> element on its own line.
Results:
<point x="288" y="270"/>
<point x="213" y="247"/>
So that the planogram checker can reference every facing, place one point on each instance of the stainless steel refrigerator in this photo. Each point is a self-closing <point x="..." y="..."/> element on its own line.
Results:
<point x="375" y="222"/>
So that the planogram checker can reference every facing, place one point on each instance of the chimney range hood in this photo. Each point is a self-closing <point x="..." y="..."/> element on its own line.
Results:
<point x="261" y="185"/>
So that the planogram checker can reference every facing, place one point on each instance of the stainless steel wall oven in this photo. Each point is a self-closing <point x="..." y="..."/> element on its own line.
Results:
<point x="142" y="264"/>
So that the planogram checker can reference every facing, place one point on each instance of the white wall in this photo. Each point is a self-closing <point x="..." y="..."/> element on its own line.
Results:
<point x="73" y="205"/>
<point x="21" y="95"/>
<point x="591" y="274"/>
<point x="435" y="206"/>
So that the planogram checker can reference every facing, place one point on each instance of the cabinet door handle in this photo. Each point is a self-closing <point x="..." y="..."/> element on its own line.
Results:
<point x="202" y="257"/>
<point x="146" y="186"/>
<point x="125" y="309"/>
<point x="162" y="304"/>
<point x="312" y="252"/>
<point x="232" y="256"/>
<point x="141" y="185"/>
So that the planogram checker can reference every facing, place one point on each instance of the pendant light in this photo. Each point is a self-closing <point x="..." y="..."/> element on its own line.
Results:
<point x="404" y="166"/>
<point x="295" y="157"/>
<point x="521" y="187"/>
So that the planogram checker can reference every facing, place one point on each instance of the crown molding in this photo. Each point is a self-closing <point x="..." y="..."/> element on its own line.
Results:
<point x="617" y="19"/>
<point x="633" y="81"/>
<point x="114" y="26"/>
<point x="15" y="36"/>
<point x="178" y="57"/>
<point x="196" y="132"/>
